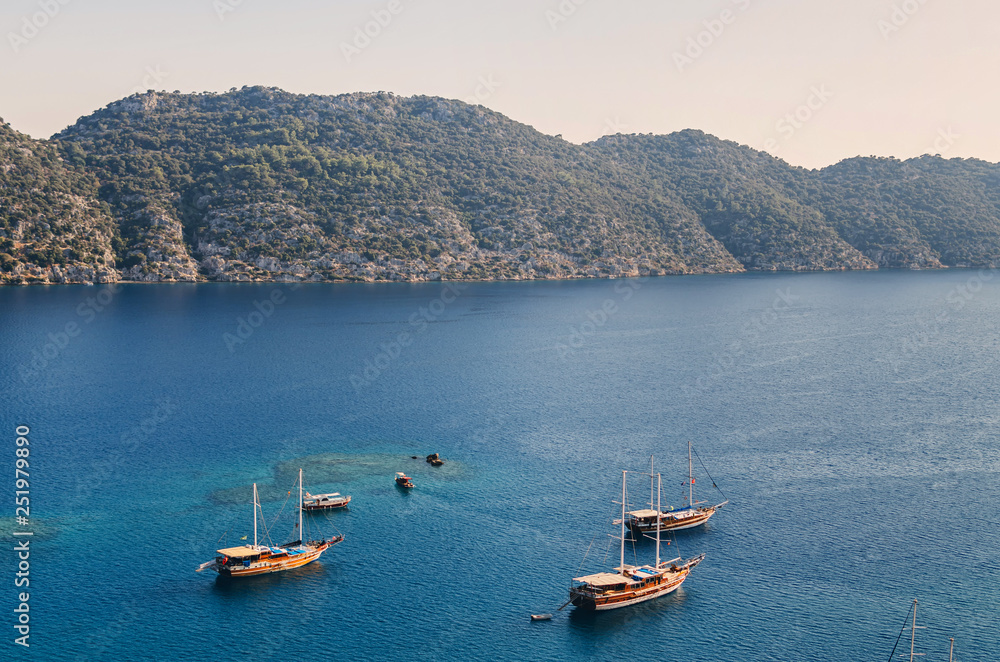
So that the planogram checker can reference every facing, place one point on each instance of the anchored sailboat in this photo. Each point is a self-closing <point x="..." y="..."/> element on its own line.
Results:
<point x="690" y="515"/>
<point x="628" y="584"/>
<point x="257" y="559"/>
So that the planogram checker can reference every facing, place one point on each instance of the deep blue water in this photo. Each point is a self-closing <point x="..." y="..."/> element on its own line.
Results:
<point x="850" y="418"/>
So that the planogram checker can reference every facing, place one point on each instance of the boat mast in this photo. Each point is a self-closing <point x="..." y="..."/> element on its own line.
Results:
<point x="690" y="478"/>
<point x="651" y="482"/>
<point x="622" y="564"/>
<point x="913" y="631"/>
<point x="255" y="514"/>
<point x="301" y="537"/>
<point x="658" y="515"/>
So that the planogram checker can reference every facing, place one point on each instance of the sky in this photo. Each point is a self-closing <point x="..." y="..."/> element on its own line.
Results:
<point x="811" y="82"/>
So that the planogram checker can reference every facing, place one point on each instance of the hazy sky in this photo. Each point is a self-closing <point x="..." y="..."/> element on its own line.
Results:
<point x="812" y="82"/>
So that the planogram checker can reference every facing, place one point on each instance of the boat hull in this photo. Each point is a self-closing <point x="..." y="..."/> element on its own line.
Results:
<point x="606" y="603"/>
<point x="585" y="600"/>
<point x="267" y="566"/>
<point x="670" y="524"/>
<point x="264" y="567"/>
<point x="336" y="506"/>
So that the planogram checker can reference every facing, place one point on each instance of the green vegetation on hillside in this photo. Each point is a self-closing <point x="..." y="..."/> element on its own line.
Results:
<point x="262" y="184"/>
<point x="52" y="226"/>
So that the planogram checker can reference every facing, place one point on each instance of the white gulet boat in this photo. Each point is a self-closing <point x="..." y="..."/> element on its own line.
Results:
<point x="330" y="501"/>
<point x="628" y="584"/>
<point x="688" y="516"/>
<point x="257" y="559"/>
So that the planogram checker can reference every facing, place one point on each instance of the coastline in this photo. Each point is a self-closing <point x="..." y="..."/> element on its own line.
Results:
<point x="659" y="274"/>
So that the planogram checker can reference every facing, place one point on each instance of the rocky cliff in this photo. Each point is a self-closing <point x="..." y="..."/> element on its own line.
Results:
<point x="260" y="184"/>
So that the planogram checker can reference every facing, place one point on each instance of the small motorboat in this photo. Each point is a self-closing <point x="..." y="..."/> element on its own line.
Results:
<point x="325" y="501"/>
<point x="541" y="617"/>
<point x="403" y="480"/>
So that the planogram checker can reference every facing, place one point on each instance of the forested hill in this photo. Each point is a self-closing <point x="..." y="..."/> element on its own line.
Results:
<point x="52" y="225"/>
<point x="260" y="184"/>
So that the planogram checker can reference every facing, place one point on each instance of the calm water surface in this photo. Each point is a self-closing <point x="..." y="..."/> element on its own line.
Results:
<point x="850" y="418"/>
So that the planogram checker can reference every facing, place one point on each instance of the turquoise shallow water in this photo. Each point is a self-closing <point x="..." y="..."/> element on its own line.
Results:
<point x="851" y="419"/>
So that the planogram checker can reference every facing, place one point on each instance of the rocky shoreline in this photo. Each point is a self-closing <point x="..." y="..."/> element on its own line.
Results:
<point x="105" y="278"/>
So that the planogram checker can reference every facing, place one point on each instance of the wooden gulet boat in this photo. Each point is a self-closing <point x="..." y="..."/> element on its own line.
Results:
<point x="629" y="585"/>
<point x="257" y="559"/>
<point x="688" y="516"/>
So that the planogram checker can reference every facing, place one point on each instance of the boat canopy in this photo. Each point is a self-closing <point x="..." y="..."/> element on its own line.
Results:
<point x="320" y="497"/>
<point x="239" y="552"/>
<point x="681" y="509"/>
<point x="603" y="579"/>
<point x="673" y="512"/>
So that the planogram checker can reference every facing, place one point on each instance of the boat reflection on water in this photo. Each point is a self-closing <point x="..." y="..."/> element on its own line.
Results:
<point x="312" y="573"/>
<point x="593" y="622"/>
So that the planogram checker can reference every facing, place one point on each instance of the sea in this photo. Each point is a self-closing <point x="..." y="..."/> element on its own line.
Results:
<point x="850" y="419"/>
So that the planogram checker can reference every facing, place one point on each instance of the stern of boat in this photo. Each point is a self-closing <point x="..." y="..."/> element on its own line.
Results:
<point x="209" y="565"/>
<point x="581" y="600"/>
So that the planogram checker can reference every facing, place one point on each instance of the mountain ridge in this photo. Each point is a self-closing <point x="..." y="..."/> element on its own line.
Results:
<point x="258" y="184"/>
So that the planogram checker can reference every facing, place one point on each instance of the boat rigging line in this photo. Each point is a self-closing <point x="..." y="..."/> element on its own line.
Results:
<point x="708" y="474"/>
<point x="902" y="629"/>
<point x="587" y="553"/>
